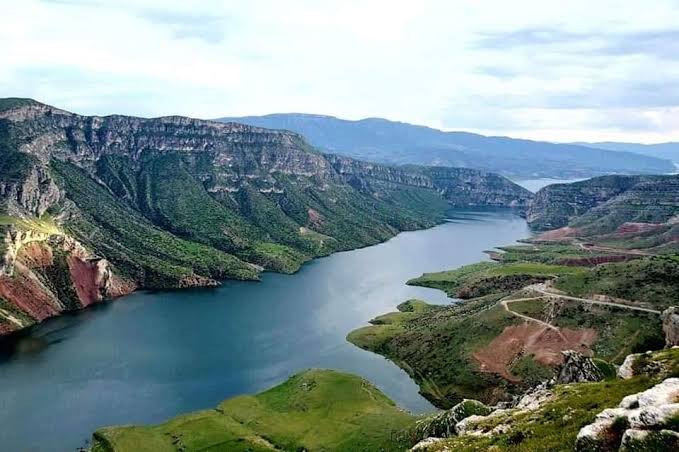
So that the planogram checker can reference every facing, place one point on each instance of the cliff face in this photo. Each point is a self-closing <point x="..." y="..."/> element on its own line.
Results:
<point x="458" y="186"/>
<point x="604" y="204"/>
<point x="177" y="202"/>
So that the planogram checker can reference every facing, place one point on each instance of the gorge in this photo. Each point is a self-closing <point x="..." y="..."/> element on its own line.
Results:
<point x="152" y="355"/>
<point x="121" y="203"/>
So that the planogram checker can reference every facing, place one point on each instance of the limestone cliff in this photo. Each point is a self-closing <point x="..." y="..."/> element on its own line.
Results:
<point x="177" y="202"/>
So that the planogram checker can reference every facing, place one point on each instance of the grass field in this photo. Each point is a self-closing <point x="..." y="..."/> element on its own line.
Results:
<point x="486" y="278"/>
<point x="316" y="410"/>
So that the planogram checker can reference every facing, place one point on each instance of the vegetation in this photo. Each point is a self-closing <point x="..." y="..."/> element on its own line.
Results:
<point x="314" y="410"/>
<point x="485" y="278"/>
<point x="556" y="423"/>
<point x="652" y="280"/>
<point x="436" y="346"/>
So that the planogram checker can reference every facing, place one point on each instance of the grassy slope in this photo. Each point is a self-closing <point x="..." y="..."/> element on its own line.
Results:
<point x="137" y="248"/>
<point x="485" y="278"/>
<point x="313" y="410"/>
<point x="435" y="346"/>
<point x="654" y="280"/>
<point x="155" y="221"/>
<point x="554" y="426"/>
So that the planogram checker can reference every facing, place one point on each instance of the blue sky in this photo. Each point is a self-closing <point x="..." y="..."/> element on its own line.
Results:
<point x="561" y="71"/>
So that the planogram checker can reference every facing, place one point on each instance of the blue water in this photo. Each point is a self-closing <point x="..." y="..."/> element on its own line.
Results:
<point x="152" y="355"/>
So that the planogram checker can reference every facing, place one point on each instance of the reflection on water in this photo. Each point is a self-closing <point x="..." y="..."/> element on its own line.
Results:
<point x="152" y="355"/>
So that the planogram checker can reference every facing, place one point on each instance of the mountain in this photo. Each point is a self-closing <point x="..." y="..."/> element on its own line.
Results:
<point x="640" y="212"/>
<point x="95" y="207"/>
<point x="399" y="143"/>
<point x="668" y="151"/>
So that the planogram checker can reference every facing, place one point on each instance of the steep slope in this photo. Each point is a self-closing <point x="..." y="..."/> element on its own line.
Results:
<point x="391" y="142"/>
<point x="619" y="211"/>
<point x="177" y="202"/>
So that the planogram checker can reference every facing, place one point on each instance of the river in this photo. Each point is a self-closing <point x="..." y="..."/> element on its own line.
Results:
<point x="152" y="355"/>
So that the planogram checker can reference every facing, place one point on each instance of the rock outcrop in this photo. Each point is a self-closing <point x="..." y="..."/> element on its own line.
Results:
<point x="670" y="325"/>
<point x="577" y="368"/>
<point x="605" y="204"/>
<point x="443" y="425"/>
<point x="639" y="418"/>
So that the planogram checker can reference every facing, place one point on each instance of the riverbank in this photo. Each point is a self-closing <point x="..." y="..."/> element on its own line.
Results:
<point x="151" y="355"/>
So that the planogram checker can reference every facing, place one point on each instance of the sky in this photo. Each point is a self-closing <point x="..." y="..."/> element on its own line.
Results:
<point x="547" y="70"/>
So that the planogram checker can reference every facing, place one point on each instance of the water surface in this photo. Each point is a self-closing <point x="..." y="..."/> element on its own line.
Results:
<point x="152" y="355"/>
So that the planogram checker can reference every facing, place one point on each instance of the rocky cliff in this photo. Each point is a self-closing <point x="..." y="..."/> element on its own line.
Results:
<point x="122" y="202"/>
<point x="603" y="204"/>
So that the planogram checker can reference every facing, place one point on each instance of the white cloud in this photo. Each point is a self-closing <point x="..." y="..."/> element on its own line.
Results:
<point x="579" y="70"/>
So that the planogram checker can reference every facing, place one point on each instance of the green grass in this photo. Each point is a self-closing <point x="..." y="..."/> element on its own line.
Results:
<point x="138" y="249"/>
<point x="484" y="278"/>
<point x="434" y="345"/>
<point x="651" y="280"/>
<point x="554" y="426"/>
<point x="313" y="410"/>
<point x="547" y="253"/>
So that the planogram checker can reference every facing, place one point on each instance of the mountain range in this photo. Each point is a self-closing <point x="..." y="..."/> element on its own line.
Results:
<point x="95" y="207"/>
<point x="390" y="142"/>
<point x="668" y="151"/>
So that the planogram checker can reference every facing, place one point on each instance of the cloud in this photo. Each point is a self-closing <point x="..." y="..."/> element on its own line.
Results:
<point x="208" y="28"/>
<point x="577" y="70"/>
<point x="659" y="43"/>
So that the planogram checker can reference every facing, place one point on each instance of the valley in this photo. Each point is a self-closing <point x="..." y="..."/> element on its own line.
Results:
<point x="151" y="355"/>
<point x="177" y="202"/>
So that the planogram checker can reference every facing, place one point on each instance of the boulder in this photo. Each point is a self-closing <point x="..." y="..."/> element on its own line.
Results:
<point x="626" y="370"/>
<point x="443" y="424"/>
<point x="640" y="440"/>
<point x="670" y="325"/>
<point x="427" y="444"/>
<point x="641" y="421"/>
<point x="577" y="368"/>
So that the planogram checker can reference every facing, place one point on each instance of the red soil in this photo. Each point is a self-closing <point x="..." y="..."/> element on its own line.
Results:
<point x="93" y="282"/>
<point x="558" y="234"/>
<point x="36" y="255"/>
<point x="25" y="292"/>
<point x="637" y="227"/>
<point x="315" y="218"/>
<point x="545" y="344"/>
<point x="87" y="279"/>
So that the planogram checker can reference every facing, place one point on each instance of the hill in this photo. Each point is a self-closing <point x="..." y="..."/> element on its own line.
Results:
<point x="94" y="207"/>
<point x="620" y="212"/>
<point x="667" y="151"/>
<point x="400" y="143"/>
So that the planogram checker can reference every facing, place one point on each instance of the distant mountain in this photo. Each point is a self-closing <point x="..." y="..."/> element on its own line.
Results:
<point x="669" y="151"/>
<point x="391" y="142"/>
<point x="621" y="211"/>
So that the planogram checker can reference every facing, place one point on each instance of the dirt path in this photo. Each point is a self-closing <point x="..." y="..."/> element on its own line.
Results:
<point x="539" y="289"/>
<point x="605" y="249"/>
<point x="505" y="304"/>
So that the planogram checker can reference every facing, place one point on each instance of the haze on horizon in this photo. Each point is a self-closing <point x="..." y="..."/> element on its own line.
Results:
<point x="581" y="71"/>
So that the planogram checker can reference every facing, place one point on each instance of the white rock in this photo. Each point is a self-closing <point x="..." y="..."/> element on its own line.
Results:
<point x="625" y="371"/>
<point x="534" y="400"/>
<point x="652" y="417"/>
<point x="426" y="444"/>
<point x="632" y="435"/>
<point x="660" y="394"/>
